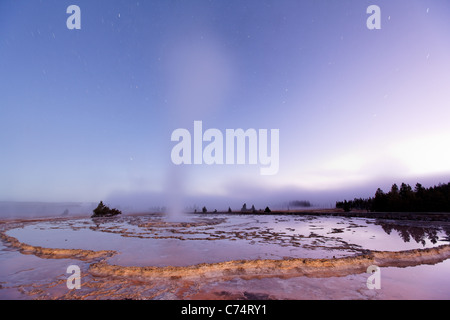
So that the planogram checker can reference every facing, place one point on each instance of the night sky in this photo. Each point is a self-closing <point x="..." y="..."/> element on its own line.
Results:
<point x="88" y="114"/>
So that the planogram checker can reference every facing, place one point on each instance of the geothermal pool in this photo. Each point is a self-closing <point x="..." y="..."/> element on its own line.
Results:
<point x="223" y="256"/>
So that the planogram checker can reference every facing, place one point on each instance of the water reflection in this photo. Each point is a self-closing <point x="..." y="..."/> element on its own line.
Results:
<point x="418" y="233"/>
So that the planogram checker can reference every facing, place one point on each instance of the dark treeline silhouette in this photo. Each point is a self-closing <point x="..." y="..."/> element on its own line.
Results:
<point x="358" y="204"/>
<point x="104" y="211"/>
<point x="403" y="199"/>
<point x="244" y="209"/>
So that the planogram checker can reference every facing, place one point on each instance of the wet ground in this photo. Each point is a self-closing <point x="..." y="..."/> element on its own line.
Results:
<point x="223" y="257"/>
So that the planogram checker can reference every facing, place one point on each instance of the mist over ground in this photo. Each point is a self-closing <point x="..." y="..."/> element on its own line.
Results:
<point x="142" y="202"/>
<point x="16" y="209"/>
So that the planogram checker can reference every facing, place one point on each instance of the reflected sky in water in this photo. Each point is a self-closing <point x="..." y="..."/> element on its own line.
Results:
<point x="152" y="240"/>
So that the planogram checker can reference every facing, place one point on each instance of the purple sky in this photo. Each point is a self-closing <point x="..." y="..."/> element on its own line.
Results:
<point x="88" y="114"/>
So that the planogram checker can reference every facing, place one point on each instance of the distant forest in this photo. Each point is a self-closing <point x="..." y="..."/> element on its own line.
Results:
<point x="403" y="199"/>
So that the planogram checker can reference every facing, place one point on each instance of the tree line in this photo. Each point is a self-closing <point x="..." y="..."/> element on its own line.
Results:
<point x="403" y="199"/>
<point x="244" y="209"/>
